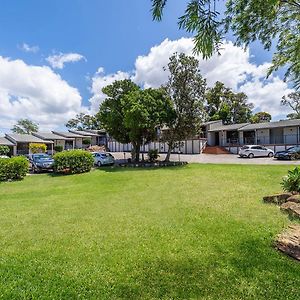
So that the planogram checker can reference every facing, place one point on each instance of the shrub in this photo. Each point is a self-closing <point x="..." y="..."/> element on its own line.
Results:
<point x="86" y="141"/>
<point x="291" y="182"/>
<point x="73" y="161"/>
<point x="4" y="150"/>
<point x="13" y="168"/>
<point x="153" y="155"/>
<point x="58" y="148"/>
<point x="37" y="148"/>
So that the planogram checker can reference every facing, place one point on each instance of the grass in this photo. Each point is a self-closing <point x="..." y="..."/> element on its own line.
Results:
<point x="199" y="231"/>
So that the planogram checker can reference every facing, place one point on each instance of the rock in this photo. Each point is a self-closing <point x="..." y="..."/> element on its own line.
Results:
<point x="292" y="208"/>
<point x="278" y="198"/>
<point x="294" y="198"/>
<point x="289" y="241"/>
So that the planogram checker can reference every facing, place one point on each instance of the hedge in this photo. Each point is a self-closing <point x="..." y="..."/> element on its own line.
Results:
<point x="13" y="168"/>
<point x="73" y="161"/>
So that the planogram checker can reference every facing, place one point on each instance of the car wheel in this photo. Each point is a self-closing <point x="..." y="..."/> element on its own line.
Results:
<point x="36" y="170"/>
<point x="99" y="164"/>
<point x="270" y="154"/>
<point x="251" y="155"/>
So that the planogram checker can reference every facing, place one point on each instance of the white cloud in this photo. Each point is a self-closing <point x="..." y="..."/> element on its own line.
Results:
<point x="37" y="93"/>
<point x="25" y="47"/>
<point x="233" y="67"/>
<point x="57" y="61"/>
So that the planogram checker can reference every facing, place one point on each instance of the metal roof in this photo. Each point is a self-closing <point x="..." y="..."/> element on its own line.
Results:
<point x="25" y="138"/>
<point x="84" y="133"/>
<point x="278" y="124"/>
<point x="6" y="142"/>
<point x="67" y="134"/>
<point x="51" y="136"/>
<point x="228" y="127"/>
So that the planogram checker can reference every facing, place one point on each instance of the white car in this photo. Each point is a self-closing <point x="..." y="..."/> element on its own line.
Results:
<point x="251" y="151"/>
<point x="103" y="158"/>
<point x="4" y="156"/>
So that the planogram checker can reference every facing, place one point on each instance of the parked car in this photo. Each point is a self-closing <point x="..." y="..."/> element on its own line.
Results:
<point x="290" y="153"/>
<point x="251" y="151"/>
<point x="103" y="158"/>
<point x="40" y="162"/>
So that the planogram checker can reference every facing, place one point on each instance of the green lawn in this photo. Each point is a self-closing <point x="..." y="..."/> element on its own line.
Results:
<point x="199" y="231"/>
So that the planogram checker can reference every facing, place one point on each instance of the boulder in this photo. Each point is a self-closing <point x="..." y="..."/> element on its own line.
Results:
<point x="292" y="208"/>
<point x="278" y="198"/>
<point x="294" y="198"/>
<point x="289" y="241"/>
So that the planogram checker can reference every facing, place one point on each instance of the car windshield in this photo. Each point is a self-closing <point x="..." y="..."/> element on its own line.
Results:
<point x="41" y="157"/>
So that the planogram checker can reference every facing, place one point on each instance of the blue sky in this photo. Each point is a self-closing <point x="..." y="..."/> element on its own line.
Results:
<point x="109" y="34"/>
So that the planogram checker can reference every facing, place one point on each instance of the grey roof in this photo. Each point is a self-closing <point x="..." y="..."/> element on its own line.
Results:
<point x="84" y="133"/>
<point x="50" y="136"/>
<point x="229" y="127"/>
<point x="67" y="134"/>
<point x="283" y="123"/>
<point x="211" y="122"/>
<point x="96" y="131"/>
<point x="25" y="138"/>
<point x="6" y="142"/>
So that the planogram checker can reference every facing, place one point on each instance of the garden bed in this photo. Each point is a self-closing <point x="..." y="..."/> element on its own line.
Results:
<point x="153" y="164"/>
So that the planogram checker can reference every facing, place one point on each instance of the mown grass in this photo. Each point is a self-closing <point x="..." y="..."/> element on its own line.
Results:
<point x="199" y="231"/>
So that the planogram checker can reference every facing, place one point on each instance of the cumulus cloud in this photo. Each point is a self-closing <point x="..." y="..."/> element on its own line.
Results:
<point x="58" y="61"/>
<point x="234" y="67"/>
<point x="37" y="93"/>
<point x="25" y="47"/>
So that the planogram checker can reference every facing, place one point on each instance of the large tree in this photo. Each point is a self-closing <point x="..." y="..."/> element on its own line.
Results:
<point x="223" y="104"/>
<point x="83" y="121"/>
<point x="261" y="117"/>
<point x="25" y="126"/>
<point x="130" y="114"/>
<point x="268" y="21"/>
<point x="292" y="101"/>
<point x="186" y="88"/>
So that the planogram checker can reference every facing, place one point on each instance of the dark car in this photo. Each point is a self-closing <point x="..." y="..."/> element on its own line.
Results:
<point x="40" y="162"/>
<point x="290" y="153"/>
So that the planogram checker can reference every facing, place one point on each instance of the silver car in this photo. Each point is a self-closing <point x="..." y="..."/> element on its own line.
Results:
<point x="103" y="159"/>
<point x="251" y="151"/>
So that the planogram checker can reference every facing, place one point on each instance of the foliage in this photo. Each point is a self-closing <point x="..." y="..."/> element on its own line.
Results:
<point x="292" y="101"/>
<point x="58" y="148"/>
<point x="267" y="21"/>
<point x="25" y="126"/>
<point x="291" y="182"/>
<point x="14" y="168"/>
<point x="4" y="150"/>
<point x="83" y="121"/>
<point x="130" y="114"/>
<point x="73" y="161"/>
<point x="153" y="155"/>
<point x="186" y="88"/>
<point x="261" y="117"/>
<point x="86" y="141"/>
<point x="223" y="104"/>
<point x="37" y="148"/>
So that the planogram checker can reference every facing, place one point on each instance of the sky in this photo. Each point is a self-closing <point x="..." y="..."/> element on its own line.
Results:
<point x="56" y="56"/>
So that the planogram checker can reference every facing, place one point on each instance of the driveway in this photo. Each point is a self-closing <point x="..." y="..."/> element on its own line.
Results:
<point x="215" y="159"/>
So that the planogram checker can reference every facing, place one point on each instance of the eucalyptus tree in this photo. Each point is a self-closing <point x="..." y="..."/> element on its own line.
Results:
<point x="25" y="126"/>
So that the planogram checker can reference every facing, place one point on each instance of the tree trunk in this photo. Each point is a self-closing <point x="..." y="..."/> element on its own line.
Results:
<point x="136" y="147"/>
<point x="170" y="148"/>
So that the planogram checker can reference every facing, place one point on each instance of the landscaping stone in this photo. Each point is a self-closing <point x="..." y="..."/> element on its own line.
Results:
<point x="292" y="208"/>
<point x="294" y="198"/>
<point x="289" y="241"/>
<point x="277" y="198"/>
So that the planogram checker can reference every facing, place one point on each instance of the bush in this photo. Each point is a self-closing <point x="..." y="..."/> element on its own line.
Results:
<point x="13" y="168"/>
<point x="37" y="148"/>
<point x="73" y="161"/>
<point x="153" y="155"/>
<point x="291" y="182"/>
<point x="58" y="148"/>
<point x="4" y="150"/>
<point x="86" y="141"/>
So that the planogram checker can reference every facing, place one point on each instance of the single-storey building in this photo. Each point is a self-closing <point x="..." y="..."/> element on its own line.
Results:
<point x="94" y="135"/>
<point x="78" y="138"/>
<point x="12" y="146"/>
<point x="22" y="141"/>
<point x="58" y="140"/>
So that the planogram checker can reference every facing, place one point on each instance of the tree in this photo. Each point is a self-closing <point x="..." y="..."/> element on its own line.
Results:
<point x="269" y="21"/>
<point x="261" y="117"/>
<point x="25" y="126"/>
<point x="186" y="89"/>
<point x="223" y="104"/>
<point x="83" y="121"/>
<point x="292" y="100"/>
<point x="130" y="114"/>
